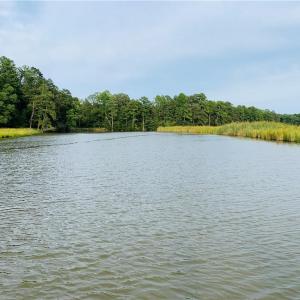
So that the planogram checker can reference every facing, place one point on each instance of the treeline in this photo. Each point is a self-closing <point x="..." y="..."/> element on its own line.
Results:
<point x="27" y="99"/>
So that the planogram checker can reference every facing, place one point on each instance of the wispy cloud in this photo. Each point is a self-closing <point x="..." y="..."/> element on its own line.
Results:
<point x="269" y="89"/>
<point x="228" y="50"/>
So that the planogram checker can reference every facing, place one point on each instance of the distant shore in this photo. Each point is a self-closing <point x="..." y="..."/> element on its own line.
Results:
<point x="269" y="131"/>
<point x="6" y="133"/>
<point x="88" y="130"/>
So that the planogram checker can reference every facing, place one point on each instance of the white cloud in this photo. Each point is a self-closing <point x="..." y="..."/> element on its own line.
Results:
<point x="91" y="46"/>
<point x="278" y="90"/>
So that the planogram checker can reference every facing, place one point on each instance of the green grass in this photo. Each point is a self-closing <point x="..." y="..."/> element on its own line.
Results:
<point x="269" y="131"/>
<point x="17" y="132"/>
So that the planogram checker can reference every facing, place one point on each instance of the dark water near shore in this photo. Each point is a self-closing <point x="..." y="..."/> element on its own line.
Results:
<point x="149" y="216"/>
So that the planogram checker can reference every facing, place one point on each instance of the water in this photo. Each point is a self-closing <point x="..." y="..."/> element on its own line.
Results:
<point x="149" y="216"/>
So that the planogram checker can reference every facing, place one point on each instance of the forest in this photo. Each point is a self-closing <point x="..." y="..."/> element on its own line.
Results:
<point x="28" y="99"/>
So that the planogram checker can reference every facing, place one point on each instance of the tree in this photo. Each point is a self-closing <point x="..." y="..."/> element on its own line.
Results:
<point x="45" y="107"/>
<point x="108" y="107"/>
<point x="122" y="118"/>
<point x="197" y="105"/>
<point x="73" y="115"/>
<point x="31" y="82"/>
<point x="164" y="110"/>
<point x="183" y="114"/>
<point x="9" y="91"/>
<point x="27" y="98"/>
<point x="64" y="102"/>
<point x="209" y="109"/>
<point x="147" y="114"/>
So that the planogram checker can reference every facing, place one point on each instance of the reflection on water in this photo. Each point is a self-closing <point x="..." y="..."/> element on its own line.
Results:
<point x="149" y="216"/>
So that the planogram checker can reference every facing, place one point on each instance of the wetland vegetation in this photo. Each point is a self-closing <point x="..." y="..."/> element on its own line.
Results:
<point x="270" y="131"/>
<point x="17" y="132"/>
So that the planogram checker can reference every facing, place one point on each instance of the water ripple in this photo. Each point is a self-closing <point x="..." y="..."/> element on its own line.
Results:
<point x="148" y="216"/>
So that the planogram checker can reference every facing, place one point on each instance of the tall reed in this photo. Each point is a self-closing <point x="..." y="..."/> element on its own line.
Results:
<point x="270" y="131"/>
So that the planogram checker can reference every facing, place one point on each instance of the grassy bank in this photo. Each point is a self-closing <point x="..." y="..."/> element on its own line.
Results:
<point x="17" y="132"/>
<point x="269" y="131"/>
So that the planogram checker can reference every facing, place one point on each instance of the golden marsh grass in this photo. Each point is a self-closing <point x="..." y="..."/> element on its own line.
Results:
<point x="269" y="131"/>
<point x="17" y="132"/>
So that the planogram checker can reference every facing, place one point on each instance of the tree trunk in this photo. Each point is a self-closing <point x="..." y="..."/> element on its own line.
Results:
<point x="143" y="123"/>
<point x="32" y="115"/>
<point x="132" y="123"/>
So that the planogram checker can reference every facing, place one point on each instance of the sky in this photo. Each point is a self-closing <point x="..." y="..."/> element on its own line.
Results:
<point x="244" y="52"/>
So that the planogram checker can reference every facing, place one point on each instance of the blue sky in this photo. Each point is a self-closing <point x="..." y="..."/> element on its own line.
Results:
<point x="242" y="52"/>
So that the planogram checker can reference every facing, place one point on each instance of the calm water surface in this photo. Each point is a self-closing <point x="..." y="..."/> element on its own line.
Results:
<point x="149" y="216"/>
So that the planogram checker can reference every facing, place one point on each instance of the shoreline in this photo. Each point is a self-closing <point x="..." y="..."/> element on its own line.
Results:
<point x="9" y="133"/>
<point x="267" y="131"/>
<point x="261" y="130"/>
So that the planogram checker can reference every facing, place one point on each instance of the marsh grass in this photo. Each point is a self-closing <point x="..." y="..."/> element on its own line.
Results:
<point x="269" y="131"/>
<point x="17" y="132"/>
